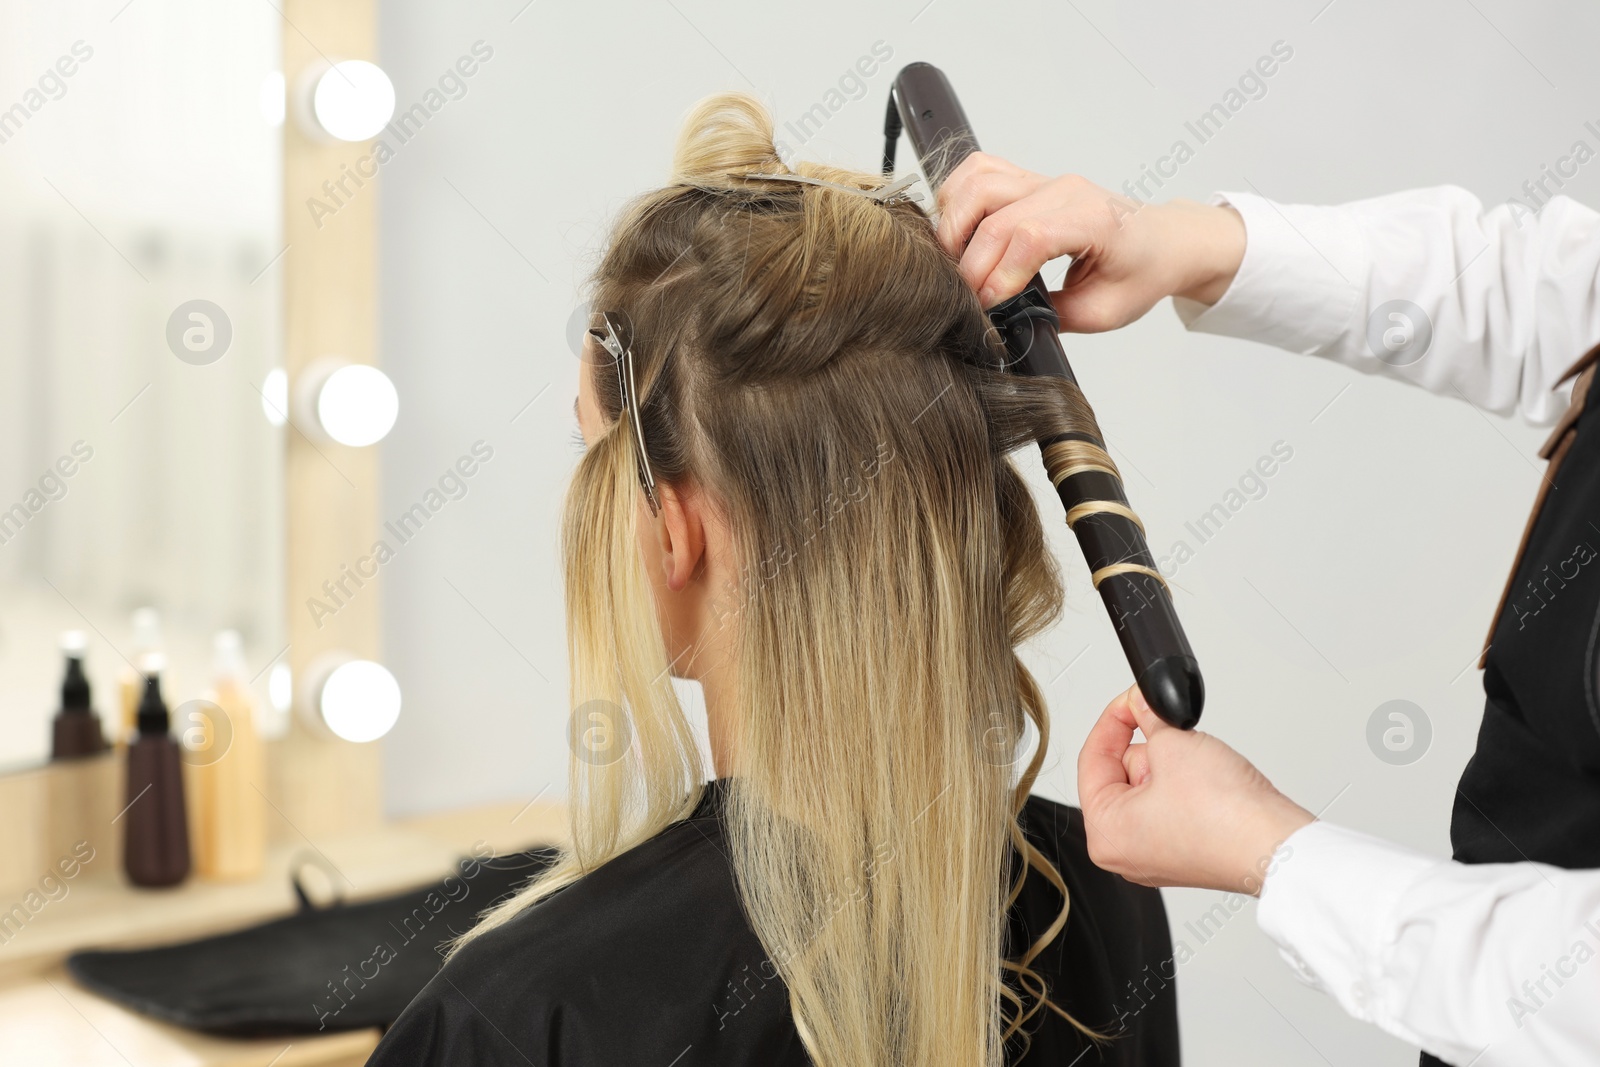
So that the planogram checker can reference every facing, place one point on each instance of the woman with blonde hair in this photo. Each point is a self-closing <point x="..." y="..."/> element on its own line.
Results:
<point x="797" y="490"/>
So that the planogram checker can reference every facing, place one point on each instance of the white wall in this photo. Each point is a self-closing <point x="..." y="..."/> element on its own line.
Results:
<point x="1366" y="573"/>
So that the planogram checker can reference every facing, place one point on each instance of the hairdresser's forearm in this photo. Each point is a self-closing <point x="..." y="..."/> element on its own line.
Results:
<point x="1487" y="964"/>
<point x="1422" y="285"/>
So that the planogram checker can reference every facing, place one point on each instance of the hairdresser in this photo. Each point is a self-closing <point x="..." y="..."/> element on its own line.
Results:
<point x="1490" y="958"/>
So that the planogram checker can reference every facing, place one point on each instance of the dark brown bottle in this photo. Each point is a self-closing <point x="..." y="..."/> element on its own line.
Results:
<point x="76" y="730"/>
<point x="156" y="843"/>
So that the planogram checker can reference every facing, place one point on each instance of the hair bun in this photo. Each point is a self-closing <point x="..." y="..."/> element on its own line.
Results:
<point x="724" y="136"/>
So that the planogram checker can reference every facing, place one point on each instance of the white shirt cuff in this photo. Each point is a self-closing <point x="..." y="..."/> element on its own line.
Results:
<point x="1328" y="902"/>
<point x="1303" y="277"/>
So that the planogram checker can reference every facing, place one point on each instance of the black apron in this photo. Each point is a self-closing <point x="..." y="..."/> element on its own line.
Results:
<point x="1532" y="789"/>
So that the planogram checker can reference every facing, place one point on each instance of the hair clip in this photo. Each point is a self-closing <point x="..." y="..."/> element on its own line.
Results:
<point x="899" y="189"/>
<point x="616" y="337"/>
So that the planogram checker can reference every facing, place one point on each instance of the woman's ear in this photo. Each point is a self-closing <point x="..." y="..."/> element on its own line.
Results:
<point x="682" y="534"/>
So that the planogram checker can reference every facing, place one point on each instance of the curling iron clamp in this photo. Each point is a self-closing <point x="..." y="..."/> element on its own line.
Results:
<point x="923" y="106"/>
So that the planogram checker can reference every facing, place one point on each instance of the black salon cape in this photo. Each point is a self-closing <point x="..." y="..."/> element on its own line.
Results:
<point x="649" y="960"/>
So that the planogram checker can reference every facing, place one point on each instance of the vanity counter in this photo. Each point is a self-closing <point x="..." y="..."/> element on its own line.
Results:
<point x="46" y="1017"/>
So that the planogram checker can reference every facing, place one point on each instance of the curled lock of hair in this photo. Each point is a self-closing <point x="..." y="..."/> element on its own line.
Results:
<point x="814" y="362"/>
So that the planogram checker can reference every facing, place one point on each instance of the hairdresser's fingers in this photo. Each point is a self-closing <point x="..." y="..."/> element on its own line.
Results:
<point x="980" y="186"/>
<point x="1136" y="762"/>
<point x="1091" y="302"/>
<point x="1101" y="773"/>
<point x="960" y="222"/>
<point x="1011" y="245"/>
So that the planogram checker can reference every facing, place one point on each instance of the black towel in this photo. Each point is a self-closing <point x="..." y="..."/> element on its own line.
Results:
<point x="340" y="967"/>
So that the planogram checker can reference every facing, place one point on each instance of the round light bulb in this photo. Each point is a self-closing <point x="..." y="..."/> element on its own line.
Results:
<point x="360" y="701"/>
<point x="275" y="396"/>
<point x="353" y="100"/>
<point x="357" y="405"/>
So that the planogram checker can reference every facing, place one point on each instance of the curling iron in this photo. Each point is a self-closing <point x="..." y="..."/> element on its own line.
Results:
<point x="924" y="106"/>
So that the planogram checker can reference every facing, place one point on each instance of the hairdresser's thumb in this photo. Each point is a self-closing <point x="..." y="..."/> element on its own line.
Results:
<point x="1149" y="722"/>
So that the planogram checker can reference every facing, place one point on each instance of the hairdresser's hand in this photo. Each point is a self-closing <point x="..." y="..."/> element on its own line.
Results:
<point x="1004" y="223"/>
<point x="1181" y="807"/>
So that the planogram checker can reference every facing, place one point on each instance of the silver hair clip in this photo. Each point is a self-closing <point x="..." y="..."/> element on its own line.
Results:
<point x="616" y="337"/>
<point x="886" y="194"/>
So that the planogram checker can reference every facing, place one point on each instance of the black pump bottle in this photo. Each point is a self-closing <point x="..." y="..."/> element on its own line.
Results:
<point x="156" y="842"/>
<point x="75" y="732"/>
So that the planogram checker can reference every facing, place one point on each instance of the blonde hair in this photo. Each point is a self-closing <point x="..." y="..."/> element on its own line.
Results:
<point x="813" y="358"/>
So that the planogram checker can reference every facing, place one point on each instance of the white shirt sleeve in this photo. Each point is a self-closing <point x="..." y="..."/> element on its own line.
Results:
<point x="1491" y="965"/>
<point x="1424" y="286"/>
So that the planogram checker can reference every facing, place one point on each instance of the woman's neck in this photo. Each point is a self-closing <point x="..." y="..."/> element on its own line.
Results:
<point x="721" y="717"/>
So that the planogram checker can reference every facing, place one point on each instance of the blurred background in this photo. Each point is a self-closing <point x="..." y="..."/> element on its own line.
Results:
<point x="1363" y="571"/>
<point x="144" y="178"/>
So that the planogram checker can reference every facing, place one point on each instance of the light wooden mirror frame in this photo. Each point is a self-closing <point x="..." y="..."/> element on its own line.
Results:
<point x="330" y="309"/>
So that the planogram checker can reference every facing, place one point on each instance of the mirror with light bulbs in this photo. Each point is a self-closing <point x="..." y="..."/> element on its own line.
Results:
<point x="148" y="406"/>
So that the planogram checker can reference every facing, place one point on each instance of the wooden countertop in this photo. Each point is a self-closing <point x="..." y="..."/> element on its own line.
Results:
<point x="46" y="1018"/>
<point x="49" y="1020"/>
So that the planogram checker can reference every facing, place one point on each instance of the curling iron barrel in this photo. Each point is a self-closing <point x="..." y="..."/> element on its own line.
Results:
<point x="923" y="105"/>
